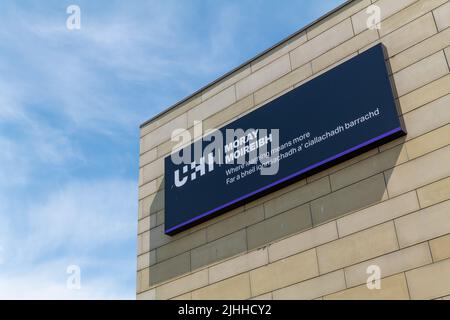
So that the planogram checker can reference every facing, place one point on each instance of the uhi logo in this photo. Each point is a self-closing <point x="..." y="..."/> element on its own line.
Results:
<point x="195" y="168"/>
<point x="241" y="147"/>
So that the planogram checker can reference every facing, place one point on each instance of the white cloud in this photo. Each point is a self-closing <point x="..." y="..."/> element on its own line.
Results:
<point x="78" y="224"/>
<point x="14" y="169"/>
<point x="81" y="216"/>
<point x="148" y="46"/>
<point x="10" y="100"/>
<point x="50" y="93"/>
<point x="49" y="281"/>
<point x="1" y="255"/>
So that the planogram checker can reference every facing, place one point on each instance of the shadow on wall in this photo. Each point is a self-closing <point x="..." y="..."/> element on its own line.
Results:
<point x="355" y="184"/>
<point x="358" y="183"/>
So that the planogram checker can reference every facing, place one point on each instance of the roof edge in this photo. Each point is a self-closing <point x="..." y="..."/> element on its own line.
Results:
<point x="209" y="85"/>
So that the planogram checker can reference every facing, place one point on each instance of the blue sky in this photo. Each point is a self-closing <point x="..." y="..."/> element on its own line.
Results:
<point x="71" y="102"/>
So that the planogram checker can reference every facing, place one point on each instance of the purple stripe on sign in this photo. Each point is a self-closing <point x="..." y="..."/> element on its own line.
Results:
<point x="309" y="168"/>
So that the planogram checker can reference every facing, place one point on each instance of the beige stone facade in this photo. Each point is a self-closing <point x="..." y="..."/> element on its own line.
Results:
<point x="314" y="239"/>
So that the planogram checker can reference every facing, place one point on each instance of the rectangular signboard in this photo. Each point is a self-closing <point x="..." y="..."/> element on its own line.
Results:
<point x="333" y="117"/>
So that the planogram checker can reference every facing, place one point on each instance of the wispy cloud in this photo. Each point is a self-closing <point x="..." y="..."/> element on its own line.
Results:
<point x="83" y="215"/>
<point x="49" y="281"/>
<point x="80" y="224"/>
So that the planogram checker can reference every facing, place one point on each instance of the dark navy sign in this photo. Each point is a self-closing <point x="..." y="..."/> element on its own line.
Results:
<point x="327" y="120"/>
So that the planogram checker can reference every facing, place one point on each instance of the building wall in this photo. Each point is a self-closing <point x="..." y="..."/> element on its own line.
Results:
<point x="314" y="239"/>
